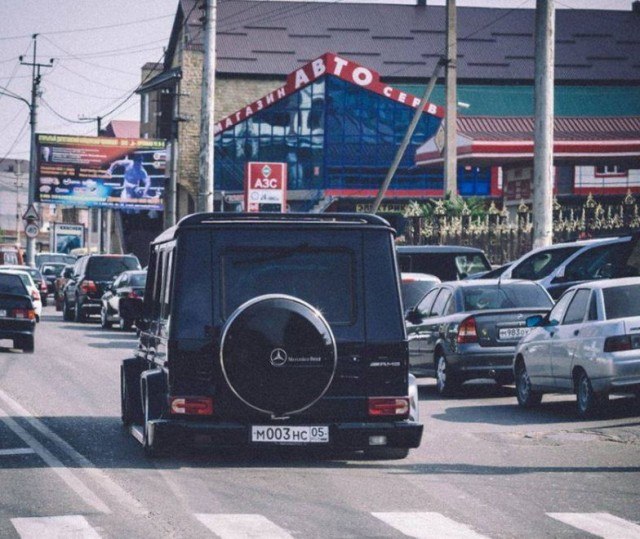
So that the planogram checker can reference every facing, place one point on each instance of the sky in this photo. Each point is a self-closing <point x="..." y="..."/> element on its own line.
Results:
<point x="98" y="49"/>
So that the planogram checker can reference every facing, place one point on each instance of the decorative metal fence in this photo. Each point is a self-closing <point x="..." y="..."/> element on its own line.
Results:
<point x="504" y="239"/>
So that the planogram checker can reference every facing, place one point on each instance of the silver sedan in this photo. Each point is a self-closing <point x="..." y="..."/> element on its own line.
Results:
<point x="589" y="344"/>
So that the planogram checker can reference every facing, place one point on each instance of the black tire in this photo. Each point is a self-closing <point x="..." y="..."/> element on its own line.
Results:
<point x="130" y="401"/>
<point x="588" y="402"/>
<point x="125" y="325"/>
<point x="25" y="343"/>
<point x="447" y="383"/>
<point x="67" y="314"/>
<point x="58" y="306"/>
<point x="527" y="397"/>
<point x="78" y="315"/>
<point x="386" y="453"/>
<point x="104" y="322"/>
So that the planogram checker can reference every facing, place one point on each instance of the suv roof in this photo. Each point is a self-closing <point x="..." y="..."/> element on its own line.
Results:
<point x="411" y="249"/>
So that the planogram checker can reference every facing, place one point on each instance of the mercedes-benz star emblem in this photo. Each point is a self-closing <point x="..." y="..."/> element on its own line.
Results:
<point x="278" y="357"/>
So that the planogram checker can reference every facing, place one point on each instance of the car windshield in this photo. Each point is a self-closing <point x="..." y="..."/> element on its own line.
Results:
<point x="621" y="301"/>
<point x="539" y="265"/>
<point x="102" y="268"/>
<point x="471" y="263"/>
<point x="505" y="296"/>
<point x="54" y="257"/>
<point x="11" y="284"/>
<point x="52" y="269"/>
<point x="138" y="279"/>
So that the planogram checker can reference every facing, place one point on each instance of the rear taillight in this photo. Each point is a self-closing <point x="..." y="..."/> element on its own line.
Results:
<point x="389" y="406"/>
<point x="35" y="295"/>
<point x="467" y="332"/>
<point x="26" y="314"/>
<point x="88" y="286"/>
<point x="619" y="343"/>
<point x="43" y="286"/>
<point x="191" y="405"/>
<point x="133" y="295"/>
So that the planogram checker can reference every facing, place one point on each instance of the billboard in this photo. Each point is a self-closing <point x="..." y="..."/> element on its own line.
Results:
<point x="104" y="172"/>
<point x="265" y="187"/>
<point x="64" y="238"/>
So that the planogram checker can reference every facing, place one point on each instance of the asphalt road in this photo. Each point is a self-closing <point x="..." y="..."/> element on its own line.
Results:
<point x="485" y="467"/>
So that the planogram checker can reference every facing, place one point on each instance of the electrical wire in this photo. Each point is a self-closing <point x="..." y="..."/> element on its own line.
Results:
<point x="46" y="104"/>
<point x="15" y="142"/>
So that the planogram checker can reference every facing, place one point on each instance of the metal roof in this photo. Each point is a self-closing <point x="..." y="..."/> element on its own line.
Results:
<point x="404" y="41"/>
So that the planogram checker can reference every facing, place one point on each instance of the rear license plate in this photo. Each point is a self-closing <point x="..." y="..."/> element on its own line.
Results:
<point x="513" y="333"/>
<point x="290" y="435"/>
<point x="3" y="312"/>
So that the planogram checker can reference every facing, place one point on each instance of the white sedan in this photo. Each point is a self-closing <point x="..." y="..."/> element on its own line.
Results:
<point x="31" y="287"/>
<point x="589" y="344"/>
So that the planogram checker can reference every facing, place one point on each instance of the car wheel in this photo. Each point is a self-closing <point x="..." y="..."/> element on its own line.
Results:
<point x="79" y="316"/>
<point x="26" y="344"/>
<point x="446" y="382"/>
<point x="588" y="402"/>
<point x="527" y="397"/>
<point x="67" y="315"/>
<point x="104" y="321"/>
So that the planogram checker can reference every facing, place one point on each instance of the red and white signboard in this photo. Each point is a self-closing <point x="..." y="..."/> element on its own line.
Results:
<point x="265" y="187"/>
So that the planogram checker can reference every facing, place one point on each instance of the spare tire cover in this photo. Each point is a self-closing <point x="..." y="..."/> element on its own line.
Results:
<point x="278" y="354"/>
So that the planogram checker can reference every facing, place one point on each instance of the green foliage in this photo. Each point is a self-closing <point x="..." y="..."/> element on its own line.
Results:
<point x="453" y="206"/>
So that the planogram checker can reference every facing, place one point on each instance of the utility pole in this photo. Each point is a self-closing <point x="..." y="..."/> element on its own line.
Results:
<point x="543" y="134"/>
<point x="205" y="192"/>
<point x="98" y="120"/>
<point x="33" y="118"/>
<point x="407" y="136"/>
<point x="18" y="174"/>
<point x="170" y="199"/>
<point x="450" y="127"/>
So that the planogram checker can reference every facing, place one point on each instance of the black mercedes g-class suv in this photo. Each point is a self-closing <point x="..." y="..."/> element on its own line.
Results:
<point x="265" y="329"/>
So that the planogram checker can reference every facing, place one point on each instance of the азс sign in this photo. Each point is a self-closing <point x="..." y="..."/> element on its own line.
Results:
<point x="265" y="187"/>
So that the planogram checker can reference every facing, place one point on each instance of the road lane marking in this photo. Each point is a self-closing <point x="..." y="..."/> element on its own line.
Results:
<point x="75" y="484"/>
<point x="427" y="525"/>
<point x="242" y="526"/>
<point x="75" y="526"/>
<point x="16" y="451"/>
<point x="130" y="503"/>
<point x="600" y="524"/>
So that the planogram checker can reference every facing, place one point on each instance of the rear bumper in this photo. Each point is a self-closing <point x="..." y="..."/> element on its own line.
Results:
<point x="10" y="329"/>
<point x="342" y="436"/>
<point x="484" y="363"/>
<point x="91" y="305"/>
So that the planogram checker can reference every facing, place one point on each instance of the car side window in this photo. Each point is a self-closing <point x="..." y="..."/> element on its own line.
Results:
<point x="424" y="306"/>
<point x="557" y="313"/>
<point x="601" y="262"/>
<point x="440" y="304"/>
<point x="578" y="307"/>
<point x="166" y="285"/>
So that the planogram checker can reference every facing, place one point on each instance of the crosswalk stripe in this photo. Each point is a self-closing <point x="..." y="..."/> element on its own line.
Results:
<point x="75" y="526"/>
<point x="427" y="525"/>
<point x="242" y="526"/>
<point x="600" y="524"/>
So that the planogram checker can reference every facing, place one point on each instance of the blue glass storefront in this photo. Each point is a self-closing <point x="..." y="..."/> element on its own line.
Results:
<point x="337" y="136"/>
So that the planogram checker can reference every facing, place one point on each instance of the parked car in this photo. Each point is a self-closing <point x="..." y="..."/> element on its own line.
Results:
<point x="447" y="262"/>
<point x="589" y="344"/>
<point x="92" y="274"/>
<point x="31" y="287"/>
<point x="413" y="287"/>
<point x="563" y="265"/>
<point x="284" y="329"/>
<point x="463" y="330"/>
<point x="51" y="271"/>
<point x="37" y="277"/>
<point x="17" y="315"/>
<point x="53" y="258"/>
<point x="11" y="254"/>
<point x="491" y="274"/>
<point x="119" y="299"/>
<point x="59" y="285"/>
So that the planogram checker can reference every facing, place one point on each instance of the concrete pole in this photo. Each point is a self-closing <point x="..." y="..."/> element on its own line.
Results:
<point x="450" y="128"/>
<point x="543" y="134"/>
<point x="205" y="194"/>
<point x="170" y="205"/>
<point x="33" y="158"/>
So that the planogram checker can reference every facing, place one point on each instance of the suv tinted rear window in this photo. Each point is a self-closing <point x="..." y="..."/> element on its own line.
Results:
<point x="302" y="272"/>
<point x="103" y="268"/>
<point x="539" y="265"/>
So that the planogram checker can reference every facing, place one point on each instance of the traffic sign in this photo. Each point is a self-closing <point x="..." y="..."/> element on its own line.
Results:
<point x="31" y="214"/>
<point x="31" y="230"/>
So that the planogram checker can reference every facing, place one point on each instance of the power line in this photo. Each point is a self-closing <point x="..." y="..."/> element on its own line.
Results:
<point x="15" y="142"/>
<point x="46" y="104"/>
